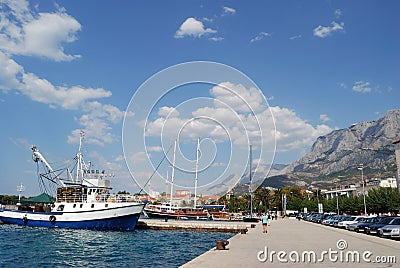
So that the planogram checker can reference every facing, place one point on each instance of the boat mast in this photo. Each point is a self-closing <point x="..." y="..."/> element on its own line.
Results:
<point x="197" y="169"/>
<point x="79" y="169"/>
<point x="166" y="188"/>
<point x="173" y="174"/>
<point x="250" y="190"/>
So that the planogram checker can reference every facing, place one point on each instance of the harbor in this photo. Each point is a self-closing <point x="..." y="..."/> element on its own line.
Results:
<point x="209" y="226"/>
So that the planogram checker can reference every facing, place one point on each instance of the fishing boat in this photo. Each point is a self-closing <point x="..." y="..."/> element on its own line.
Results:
<point x="83" y="200"/>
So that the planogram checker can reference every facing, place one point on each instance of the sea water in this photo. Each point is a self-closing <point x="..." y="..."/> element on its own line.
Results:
<point x="52" y="247"/>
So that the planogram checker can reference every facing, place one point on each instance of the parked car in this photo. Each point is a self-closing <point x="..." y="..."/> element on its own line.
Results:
<point x="363" y="223"/>
<point x="340" y="218"/>
<point x="392" y="229"/>
<point x="330" y="219"/>
<point x="373" y="229"/>
<point x="350" y="220"/>
<point x="322" y="217"/>
<point x="308" y="215"/>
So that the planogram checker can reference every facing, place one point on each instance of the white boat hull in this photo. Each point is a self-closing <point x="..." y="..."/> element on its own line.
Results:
<point x="102" y="216"/>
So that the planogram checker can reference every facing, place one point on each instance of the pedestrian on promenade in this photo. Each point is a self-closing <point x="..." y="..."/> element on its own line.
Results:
<point x="264" y="221"/>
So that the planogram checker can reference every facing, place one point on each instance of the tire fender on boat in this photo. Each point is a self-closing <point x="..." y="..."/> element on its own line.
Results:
<point x="25" y="219"/>
<point x="97" y="197"/>
<point x="52" y="219"/>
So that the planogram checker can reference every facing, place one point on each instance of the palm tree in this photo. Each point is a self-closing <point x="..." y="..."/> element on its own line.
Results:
<point x="278" y="193"/>
<point x="264" y="197"/>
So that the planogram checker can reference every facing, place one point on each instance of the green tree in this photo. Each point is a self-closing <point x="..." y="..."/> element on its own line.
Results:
<point x="383" y="200"/>
<point x="263" y="199"/>
<point x="351" y="205"/>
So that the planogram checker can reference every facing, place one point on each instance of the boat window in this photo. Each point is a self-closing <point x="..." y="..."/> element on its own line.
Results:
<point x="81" y="205"/>
<point x="106" y="205"/>
<point x="92" y="205"/>
<point x="74" y="206"/>
<point x="60" y="208"/>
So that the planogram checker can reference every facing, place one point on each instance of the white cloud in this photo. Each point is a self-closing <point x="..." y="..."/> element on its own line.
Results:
<point x="294" y="133"/>
<point x="9" y="71"/>
<point x="24" y="32"/>
<point x="238" y="96"/>
<point x="216" y="39"/>
<point x="14" y="77"/>
<point x="139" y="157"/>
<point x="194" y="28"/>
<point x="119" y="158"/>
<point x="325" y="31"/>
<point x="96" y="123"/>
<point x="168" y="112"/>
<point x="362" y="86"/>
<point x="43" y="34"/>
<point x="229" y="10"/>
<point x="233" y="120"/>
<point x="295" y="37"/>
<point x="338" y="13"/>
<point x="260" y="36"/>
<point x="101" y="161"/>
<point x="324" y="117"/>
<point x="43" y="91"/>
<point x="154" y="149"/>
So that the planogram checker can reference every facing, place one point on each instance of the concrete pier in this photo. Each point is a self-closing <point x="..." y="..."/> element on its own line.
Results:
<point x="209" y="226"/>
<point x="298" y="241"/>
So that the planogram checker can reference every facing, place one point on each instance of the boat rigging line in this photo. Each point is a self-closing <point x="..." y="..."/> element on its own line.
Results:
<point x="154" y="172"/>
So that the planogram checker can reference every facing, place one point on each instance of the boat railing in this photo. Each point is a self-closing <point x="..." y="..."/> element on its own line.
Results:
<point x="107" y="198"/>
<point x="71" y="198"/>
<point x="118" y="198"/>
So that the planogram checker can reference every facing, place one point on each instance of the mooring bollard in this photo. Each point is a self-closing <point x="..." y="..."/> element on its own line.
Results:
<point x="221" y="244"/>
<point x="243" y="231"/>
<point x="253" y="226"/>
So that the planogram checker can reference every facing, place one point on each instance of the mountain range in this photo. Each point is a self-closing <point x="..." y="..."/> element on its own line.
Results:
<point x="337" y="156"/>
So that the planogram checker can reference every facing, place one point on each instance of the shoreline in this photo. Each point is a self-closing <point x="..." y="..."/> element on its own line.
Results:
<point x="208" y="226"/>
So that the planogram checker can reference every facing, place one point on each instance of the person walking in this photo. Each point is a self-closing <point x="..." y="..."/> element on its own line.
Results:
<point x="264" y="221"/>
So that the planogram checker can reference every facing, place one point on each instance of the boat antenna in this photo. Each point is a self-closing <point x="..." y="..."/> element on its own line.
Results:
<point x="159" y="164"/>
<point x="20" y="189"/>
<point x="197" y="169"/>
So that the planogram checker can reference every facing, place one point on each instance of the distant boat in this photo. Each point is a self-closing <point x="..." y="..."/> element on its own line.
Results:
<point x="166" y="210"/>
<point x="175" y="212"/>
<point x="83" y="200"/>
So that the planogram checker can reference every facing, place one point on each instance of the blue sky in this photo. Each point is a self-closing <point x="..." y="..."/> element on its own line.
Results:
<point x="72" y="65"/>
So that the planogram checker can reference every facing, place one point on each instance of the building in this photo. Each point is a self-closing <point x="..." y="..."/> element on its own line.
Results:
<point x="349" y="191"/>
<point x="389" y="182"/>
<point x="181" y="197"/>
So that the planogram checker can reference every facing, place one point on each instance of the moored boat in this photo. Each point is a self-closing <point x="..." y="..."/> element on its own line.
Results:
<point x="175" y="212"/>
<point x="83" y="200"/>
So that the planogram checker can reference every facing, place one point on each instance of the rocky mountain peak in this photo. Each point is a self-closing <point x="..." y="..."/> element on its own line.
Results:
<point x="366" y="143"/>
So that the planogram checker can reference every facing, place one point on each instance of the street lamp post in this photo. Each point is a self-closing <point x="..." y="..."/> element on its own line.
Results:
<point x="363" y="188"/>
<point x="337" y="200"/>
